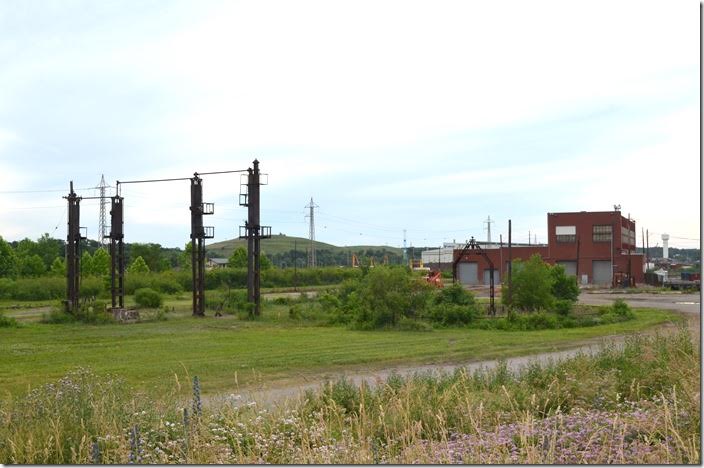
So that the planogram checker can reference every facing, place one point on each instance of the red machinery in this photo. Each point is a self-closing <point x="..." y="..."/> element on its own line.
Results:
<point x="435" y="278"/>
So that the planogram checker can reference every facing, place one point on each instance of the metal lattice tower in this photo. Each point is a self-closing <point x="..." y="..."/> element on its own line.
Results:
<point x="488" y="229"/>
<point x="311" y="234"/>
<point x="102" y="224"/>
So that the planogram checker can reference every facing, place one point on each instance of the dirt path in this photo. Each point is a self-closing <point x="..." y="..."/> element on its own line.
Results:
<point x="276" y="394"/>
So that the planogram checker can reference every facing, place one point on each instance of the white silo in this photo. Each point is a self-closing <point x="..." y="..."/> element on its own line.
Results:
<point x="665" y="238"/>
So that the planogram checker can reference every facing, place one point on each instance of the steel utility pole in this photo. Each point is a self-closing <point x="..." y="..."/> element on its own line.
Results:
<point x="117" y="253"/>
<point x="631" y="241"/>
<point x="198" y="235"/>
<point x="510" y="265"/>
<point x="488" y="230"/>
<point x="295" y="265"/>
<point x="254" y="232"/>
<point x="311" y="233"/>
<point x="73" y="257"/>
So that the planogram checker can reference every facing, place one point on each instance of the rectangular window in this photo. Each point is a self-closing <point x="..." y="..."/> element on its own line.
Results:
<point x="601" y="233"/>
<point x="566" y="233"/>
<point x="628" y="236"/>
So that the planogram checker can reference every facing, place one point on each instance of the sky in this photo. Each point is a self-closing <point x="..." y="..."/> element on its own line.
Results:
<point x="428" y="116"/>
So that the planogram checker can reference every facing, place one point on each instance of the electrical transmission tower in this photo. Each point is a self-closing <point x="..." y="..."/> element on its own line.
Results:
<point x="102" y="224"/>
<point x="488" y="229"/>
<point x="311" y="234"/>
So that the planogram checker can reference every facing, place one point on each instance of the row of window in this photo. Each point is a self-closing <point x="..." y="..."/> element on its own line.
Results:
<point x="600" y="233"/>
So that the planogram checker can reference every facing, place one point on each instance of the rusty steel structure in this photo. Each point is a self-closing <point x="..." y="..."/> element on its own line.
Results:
<point x="474" y="247"/>
<point x="117" y="252"/>
<point x="73" y="251"/>
<point x="198" y="235"/>
<point x="253" y="231"/>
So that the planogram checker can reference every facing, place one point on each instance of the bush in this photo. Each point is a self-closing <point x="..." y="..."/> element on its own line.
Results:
<point x="8" y="322"/>
<point x="406" y="324"/>
<point x="531" y="284"/>
<point x="455" y="294"/>
<point x="58" y="315"/>
<point x="385" y="295"/>
<point x="452" y="314"/>
<point x="622" y="309"/>
<point x="563" y="307"/>
<point x="147" y="297"/>
<point x="563" y="287"/>
<point x="228" y="302"/>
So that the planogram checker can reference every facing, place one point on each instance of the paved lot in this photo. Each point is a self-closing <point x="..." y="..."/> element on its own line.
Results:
<point x="688" y="303"/>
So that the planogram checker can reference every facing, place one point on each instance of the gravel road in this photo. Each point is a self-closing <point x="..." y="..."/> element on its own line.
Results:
<point x="273" y="394"/>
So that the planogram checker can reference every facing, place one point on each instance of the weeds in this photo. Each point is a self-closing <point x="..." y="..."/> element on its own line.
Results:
<point x="635" y="404"/>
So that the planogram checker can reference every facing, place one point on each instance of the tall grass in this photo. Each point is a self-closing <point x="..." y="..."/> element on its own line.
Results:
<point x="635" y="404"/>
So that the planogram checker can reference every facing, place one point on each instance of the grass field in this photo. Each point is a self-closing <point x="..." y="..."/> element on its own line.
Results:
<point x="226" y="352"/>
<point x="282" y="244"/>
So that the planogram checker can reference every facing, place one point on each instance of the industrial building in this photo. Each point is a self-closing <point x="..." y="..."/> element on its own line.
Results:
<point x="596" y="247"/>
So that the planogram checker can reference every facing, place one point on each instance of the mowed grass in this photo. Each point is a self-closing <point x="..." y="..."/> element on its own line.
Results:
<point x="227" y="353"/>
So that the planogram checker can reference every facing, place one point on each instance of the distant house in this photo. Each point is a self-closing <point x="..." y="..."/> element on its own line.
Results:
<point x="215" y="263"/>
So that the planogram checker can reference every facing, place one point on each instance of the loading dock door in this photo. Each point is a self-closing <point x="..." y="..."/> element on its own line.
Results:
<point x="601" y="272"/>
<point x="487" y="278"/>
<point x="570" y="267"/>
<point x="467" y="272"/>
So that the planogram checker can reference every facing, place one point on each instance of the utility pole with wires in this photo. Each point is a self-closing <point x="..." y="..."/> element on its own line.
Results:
<point x="311" y="234"/>
<point x="488" y="229"/>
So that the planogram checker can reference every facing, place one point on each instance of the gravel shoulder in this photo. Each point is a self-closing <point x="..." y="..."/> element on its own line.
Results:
<point x="278" y="393"/>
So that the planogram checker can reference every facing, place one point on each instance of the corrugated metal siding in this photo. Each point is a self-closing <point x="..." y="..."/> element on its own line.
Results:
<point x="570" y="267"/>
<point x="487" y="278"/>
<point x="467" y="272"/>
<point x="601" y="272"/>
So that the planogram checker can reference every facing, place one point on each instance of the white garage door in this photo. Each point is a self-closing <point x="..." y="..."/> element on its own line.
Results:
<point x="467" y="272"/>
<point x="570" y="267"/>
<point x="601" y="272"/>
<point x="487" y="278"/>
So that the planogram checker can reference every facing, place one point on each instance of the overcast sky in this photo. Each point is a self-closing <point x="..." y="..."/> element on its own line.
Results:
<point x="426" y="116"/>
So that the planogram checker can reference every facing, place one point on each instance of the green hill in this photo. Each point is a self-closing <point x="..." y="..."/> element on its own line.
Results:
<point x="281" y="244"/>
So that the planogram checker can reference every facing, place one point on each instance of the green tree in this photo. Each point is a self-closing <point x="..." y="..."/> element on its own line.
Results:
<point x="49" y="248"/>
<point x="563" y="287"/>
<point x="264" y="262"/>
<point x="8" y="260"/>
<point x="531" y="284"/>
<point x="186" y="256"/>
<point x="58" y="267"/>
<point x="238" y="259"/>
<point x="151" y="253"/>
<point x="32" y="265"/>
<point x="86" y="264"/>
<point x="101" y="263"/>
<point x="138" y="266"/>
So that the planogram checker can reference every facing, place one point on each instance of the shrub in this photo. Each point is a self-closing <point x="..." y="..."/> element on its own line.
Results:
<point x="563" y="287"/>
<point x="147" y="297"/>
<point x="621" y="309"/>
<point x="455" y="294"/>
<point x="406" y="324"/>
<point x="452" y="314"/>
<point x="385" y="295"/>
<point x="57" y="315"/>
<point x="8" y="322"/>
<point x="531" y="284"/>
<point x="35" y="289"/>
<point x="563" y="307"/>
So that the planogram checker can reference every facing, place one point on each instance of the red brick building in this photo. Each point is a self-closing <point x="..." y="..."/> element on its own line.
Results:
<point x="590" y="245"/>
